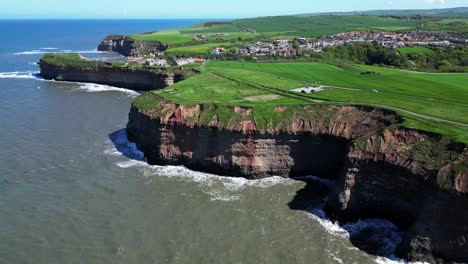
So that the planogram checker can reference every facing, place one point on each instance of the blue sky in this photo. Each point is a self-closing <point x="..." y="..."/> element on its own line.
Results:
<point x="200" y="8"/>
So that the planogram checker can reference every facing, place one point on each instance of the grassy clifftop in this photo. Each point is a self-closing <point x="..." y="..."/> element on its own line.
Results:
<point x="432" y="102"/>
<point x="76" y="60"/>
<point x="69" y="59"/>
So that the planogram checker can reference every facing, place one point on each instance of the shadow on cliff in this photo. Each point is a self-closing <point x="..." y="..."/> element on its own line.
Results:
<point x="376" y="237"/>
<point x="125" y="147"/>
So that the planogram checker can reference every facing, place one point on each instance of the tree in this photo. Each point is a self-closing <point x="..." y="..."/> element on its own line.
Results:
<point x="295" y="43"/>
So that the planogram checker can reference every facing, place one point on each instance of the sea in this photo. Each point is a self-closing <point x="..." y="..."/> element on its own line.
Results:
<point x="73" y="189"/>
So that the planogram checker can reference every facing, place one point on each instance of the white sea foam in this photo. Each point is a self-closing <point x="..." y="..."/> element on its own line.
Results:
<point x="394" y="260"/>
<point x="228" y="189"/>
<point x="346" y="231"/>
<point x="219" y="188"/>
<point x="19" y="75"/>
<point x="44" y="51"/>
<point x="87" y="87"/>
<point x="49" y="48"/>
<point x="94" y="88"/>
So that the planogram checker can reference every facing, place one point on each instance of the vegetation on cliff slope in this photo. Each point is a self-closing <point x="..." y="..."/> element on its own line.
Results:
<point x="437" y="59"/>
<point x="69" y="59"/>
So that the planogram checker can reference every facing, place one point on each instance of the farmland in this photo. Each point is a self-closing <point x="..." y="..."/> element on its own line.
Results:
<point x="434" y="102"/>
<point x="276" y="27"/>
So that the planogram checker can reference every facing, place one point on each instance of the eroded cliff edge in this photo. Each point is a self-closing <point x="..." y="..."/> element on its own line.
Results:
<point x="73" y="68"/>
<point x="127" y="46"/>
<point x="416" y="179"/>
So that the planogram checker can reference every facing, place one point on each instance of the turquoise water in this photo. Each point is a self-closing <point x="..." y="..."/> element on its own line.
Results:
<point x="73" y="189"/>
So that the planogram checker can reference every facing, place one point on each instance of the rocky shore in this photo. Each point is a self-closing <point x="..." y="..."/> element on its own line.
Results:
<point x="416" y="179"/>
<point x="127" y="46"/>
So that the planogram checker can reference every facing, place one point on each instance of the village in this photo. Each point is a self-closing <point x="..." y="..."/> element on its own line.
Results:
<point x="302" y="46"/>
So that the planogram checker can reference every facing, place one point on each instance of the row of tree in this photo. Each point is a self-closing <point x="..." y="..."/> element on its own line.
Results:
<point x="447" y="59"/>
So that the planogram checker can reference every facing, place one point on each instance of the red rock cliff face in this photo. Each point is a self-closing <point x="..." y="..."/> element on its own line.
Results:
<point x="173" y="135"/>
<point x="416" y="179"/>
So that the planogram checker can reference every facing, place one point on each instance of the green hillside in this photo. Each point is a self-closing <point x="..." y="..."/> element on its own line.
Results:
<point x="277" y="27"/>
<point x="433" y="102"/>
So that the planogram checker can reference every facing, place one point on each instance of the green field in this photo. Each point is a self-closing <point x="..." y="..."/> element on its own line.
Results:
<point x="276" y="27"/>
<point x="415" y="50"/>
<point x="433" y="102"/>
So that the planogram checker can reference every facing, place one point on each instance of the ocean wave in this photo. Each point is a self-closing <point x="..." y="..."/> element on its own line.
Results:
<point x="378" y="231"/>
<point x="87" y="87"/>
<point x="228" y="189"/>
<point x="395" y="260"/>
<point x="49" y="48"/>
<point x="44" y="51"/>
<point x="375" y="231"/>
<point x="19" y="75"/>
<point x="94" y="88"/>
<point x="217" y="187"/>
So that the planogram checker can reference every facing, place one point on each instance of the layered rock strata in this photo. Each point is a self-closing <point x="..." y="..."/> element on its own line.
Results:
<point x="130" y="78"/>
<point x="416" y="179"/>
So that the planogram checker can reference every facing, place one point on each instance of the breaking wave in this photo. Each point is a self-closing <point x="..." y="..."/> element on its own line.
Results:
<point x="378" y="232"/>
<point x="219" y="188"/>
<point x="381" y="234"/>
<point x="94" y="88"/>
<point x="87" y="87"/>
<point x="56" y="50"/>
<point x="19" y="75"/>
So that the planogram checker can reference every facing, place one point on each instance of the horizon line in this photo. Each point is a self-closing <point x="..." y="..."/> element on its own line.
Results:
<point x="228" y="18"/>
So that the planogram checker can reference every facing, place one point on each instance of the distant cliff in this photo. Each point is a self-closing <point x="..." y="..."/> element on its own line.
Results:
<point x="129" y="47"/>
<point x="416" y="179"/>
<point x="71" y="67"/>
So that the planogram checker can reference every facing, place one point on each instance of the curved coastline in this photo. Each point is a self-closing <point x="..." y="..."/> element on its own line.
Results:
<point x="415" y="179"/>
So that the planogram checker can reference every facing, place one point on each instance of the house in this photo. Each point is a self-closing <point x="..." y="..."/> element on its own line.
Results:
<point x="199" y="38"/>
<point x="218" y="51"/>
<point x="183" y="61"/>
<point x="249" y="30"/>
<point x="199" y="60"/>
<point x="156" y="62"/>
<point x="242" y="51"/>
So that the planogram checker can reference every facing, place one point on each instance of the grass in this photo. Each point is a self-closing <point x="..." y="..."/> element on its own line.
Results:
<point x="75" y="60"/>
<point x="442" y="96"/>
<point x="170" y="37"/>
<point x="276" y="27"/>
<point x="453" y="20"/>
<point x="197" y="50"/>
<point x="319" y="25"/>
<point x="443" y="87"/>
<point x="69" y="59"/>
<point x="414" y="50"/>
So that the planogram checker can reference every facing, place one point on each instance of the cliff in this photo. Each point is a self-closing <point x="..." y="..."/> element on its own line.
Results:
<point x="416" y="179"/>
<point x="73" y="68"/>
<point x="130" y="47"/>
